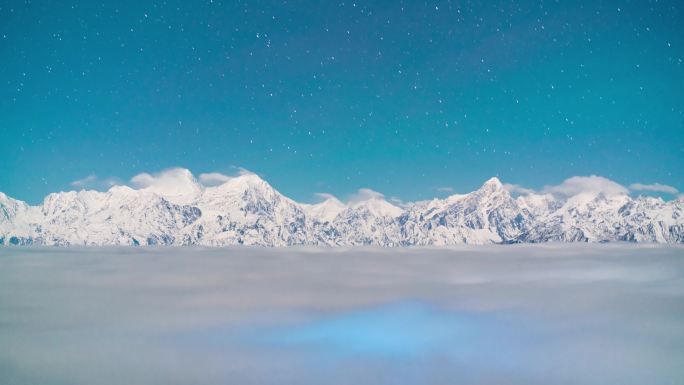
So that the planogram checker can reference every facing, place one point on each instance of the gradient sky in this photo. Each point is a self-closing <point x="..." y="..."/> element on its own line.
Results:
<point x="323" y="96"/>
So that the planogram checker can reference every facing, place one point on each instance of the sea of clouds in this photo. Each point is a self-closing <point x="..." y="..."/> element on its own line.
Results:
<point x="522" y="314"/>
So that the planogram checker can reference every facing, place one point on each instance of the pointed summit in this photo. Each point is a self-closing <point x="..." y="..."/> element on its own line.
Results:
<point x="247" y="189"/>
<point x="378" y="207"/>
<point x="121" y="190"/>
<point x="245" y="181"/>
<point x="491" y="185"/>
<point x="325" y="211"/>
<point x="493" y="181"/>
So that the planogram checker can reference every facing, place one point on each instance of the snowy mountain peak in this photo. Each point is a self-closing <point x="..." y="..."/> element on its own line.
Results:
<point x="121" y="190"/>
<point x="171" y="208"/>
<point x="378" y="207"/>
<point x="246" y="186"/>
<point x="325" y="211"/>
<point x="492" y="184"/>
<point x="248" y="181"/>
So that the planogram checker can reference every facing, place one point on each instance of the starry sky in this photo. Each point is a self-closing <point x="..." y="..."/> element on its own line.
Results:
<point x="414" y="99"/>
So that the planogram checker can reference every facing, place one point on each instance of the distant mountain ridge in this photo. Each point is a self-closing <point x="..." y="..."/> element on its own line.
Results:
<point x="247" y="210"/>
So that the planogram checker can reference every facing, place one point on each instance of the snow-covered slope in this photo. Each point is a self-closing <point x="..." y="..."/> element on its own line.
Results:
<point x="325" y="211"/>
<point x="369" y="222"/>
<point x="120" y="216"/>
<point x="17" y="221"/>
<point x="488" y="215"/>
<point x="247" y="210"/>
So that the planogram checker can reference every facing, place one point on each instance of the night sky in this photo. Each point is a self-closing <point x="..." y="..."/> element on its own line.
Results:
<point x="408" y="98"/>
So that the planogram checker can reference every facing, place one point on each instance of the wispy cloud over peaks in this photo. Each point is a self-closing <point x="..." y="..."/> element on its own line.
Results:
<point x="214" y="178"/>
<point x="364" y="194"/>
<point x="172" y="181"/>
<point x="592" y="184"/>
<point x="178" y="180"/>
<point x="217" y="178"/>
<point x="655" y="187"/>
<point x="243" y="171"/>
<point x="321" y="196"/>
<point x="84" y="182"/>
<point x="586" y="184"/>
<point x="517" y="189"/>
<point x="93" y="182"/>
<point x="171" y="176"/>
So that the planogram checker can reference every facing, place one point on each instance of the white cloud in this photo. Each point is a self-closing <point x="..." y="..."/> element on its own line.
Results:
<point x="324" y="196"/>
<point x="93" y="182"/>
<point x="214" y="178"/>
<point x="446" y="189"/>
<point x="142" y="180"/>
<point x="591" y="184"/>
<point x="172" y="181"/>
<point x="87" y="181"/>
<point x="517" y="189"/>
<point x="586" y="184"/>
<point x="112" y="181"/>
<point x="364" y="194"/>
<point x="399" y="202"/>
<point x="217" y="178"/>
<point x="168" y="176"/>
<point x="243" y="171"/>
<point x="657" y="187"/>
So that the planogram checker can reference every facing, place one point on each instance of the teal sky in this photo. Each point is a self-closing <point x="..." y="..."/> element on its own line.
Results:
<point x="404" y="98"/>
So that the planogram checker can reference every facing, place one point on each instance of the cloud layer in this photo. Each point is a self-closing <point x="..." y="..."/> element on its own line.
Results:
<point x="526" y="314"/>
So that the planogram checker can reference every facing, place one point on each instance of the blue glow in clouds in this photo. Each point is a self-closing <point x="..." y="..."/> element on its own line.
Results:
<point x="400" y="330"/>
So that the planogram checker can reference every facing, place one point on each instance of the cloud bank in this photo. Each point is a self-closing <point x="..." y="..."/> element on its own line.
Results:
<point x="526" y="314"/>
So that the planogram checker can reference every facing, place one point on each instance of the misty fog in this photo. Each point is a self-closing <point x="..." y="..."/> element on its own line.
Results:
<point x="522" y="314"/>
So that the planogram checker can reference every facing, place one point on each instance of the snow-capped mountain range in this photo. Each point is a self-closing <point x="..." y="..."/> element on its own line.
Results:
<point x="247" y="210"/>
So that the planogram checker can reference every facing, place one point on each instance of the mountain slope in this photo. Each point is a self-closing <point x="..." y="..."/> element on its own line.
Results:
<point x="247" y="210"/>
<point x="488" y="215"/>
